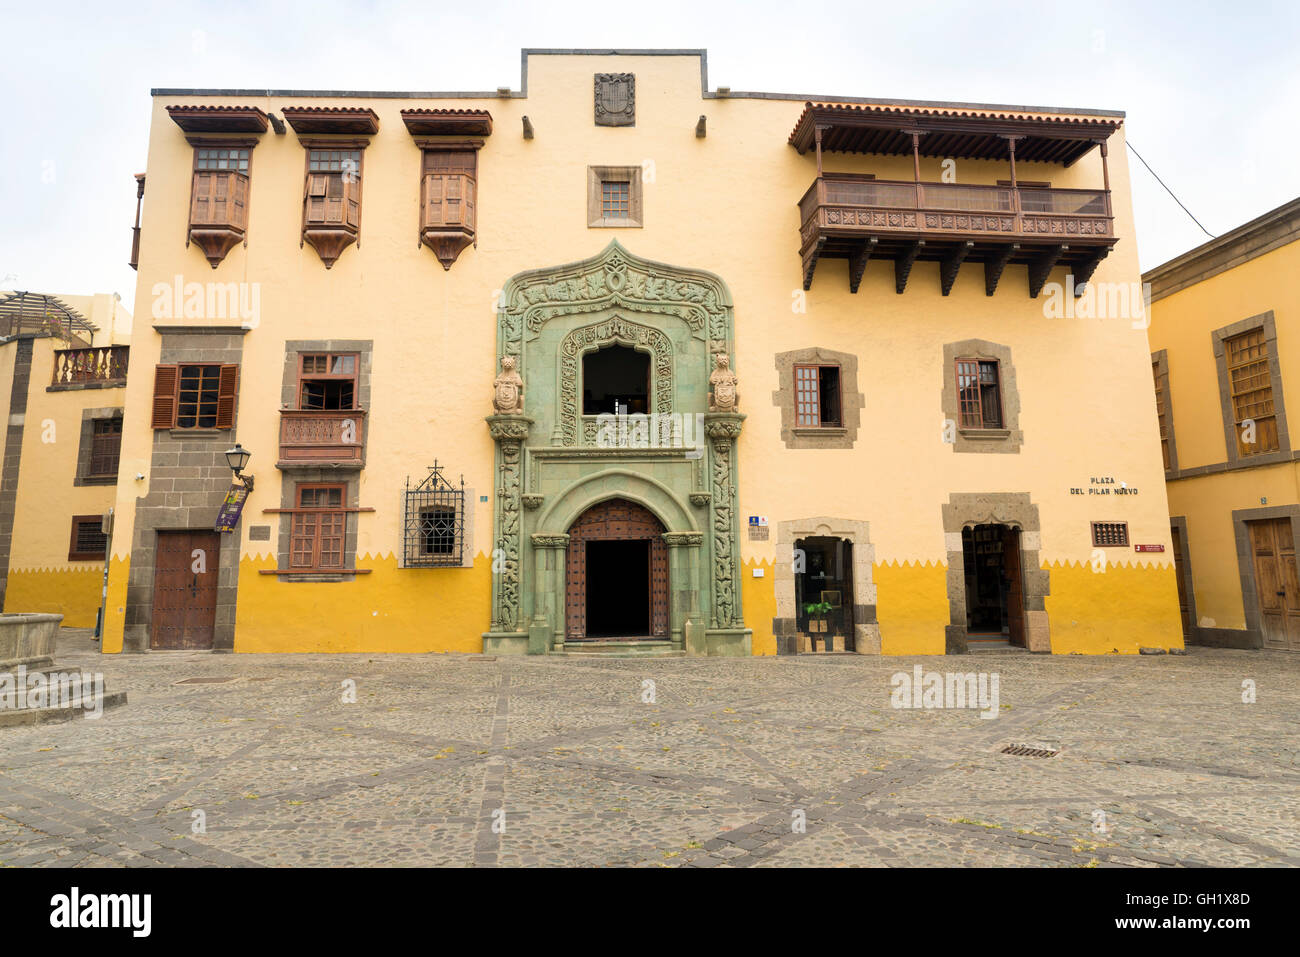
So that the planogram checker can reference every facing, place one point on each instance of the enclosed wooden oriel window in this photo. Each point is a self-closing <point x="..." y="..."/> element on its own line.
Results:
<point x="333" y="188"/>
<point x="448" y="201"/>
<point x="331" y="202"/>
<point x="817" y="396"/>
<point x="194" y="396"/>
<point x="327" y="381"/>
<point x="1251" y="391"/>
<point x="219" y="199"/>
<point x="979" y="394"/>
<point x="318" y="528"/>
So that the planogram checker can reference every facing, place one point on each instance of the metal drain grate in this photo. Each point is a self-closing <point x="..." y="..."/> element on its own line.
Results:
<point x="205" y="681"/>
<point x="1029" y="751"/>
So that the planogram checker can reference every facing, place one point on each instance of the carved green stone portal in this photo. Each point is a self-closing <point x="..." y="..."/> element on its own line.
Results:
<point x="553" y="463"/>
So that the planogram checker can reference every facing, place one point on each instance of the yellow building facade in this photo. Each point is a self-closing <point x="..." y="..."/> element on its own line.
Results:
<point x="63" y="370"/>
<point x="1224" y="353"/>
<point x="619" y="362"/>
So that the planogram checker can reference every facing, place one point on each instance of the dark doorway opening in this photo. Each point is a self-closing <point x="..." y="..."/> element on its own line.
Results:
<point x="618" y="588"/>
<point x="827" y="579"/>
<point x="616" y="379"/>
<point x="995" y="609"/>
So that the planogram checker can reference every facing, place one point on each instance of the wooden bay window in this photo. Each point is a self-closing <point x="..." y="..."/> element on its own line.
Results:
<point x="331" y="203"/>
<point x="448" y="200"/>
<point x="219" y="197"/>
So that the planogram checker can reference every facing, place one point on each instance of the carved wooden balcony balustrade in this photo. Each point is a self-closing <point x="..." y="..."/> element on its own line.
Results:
<point x="78" y="367"/>
<point x="315" y="437"/>
<point x="857" y="217"/>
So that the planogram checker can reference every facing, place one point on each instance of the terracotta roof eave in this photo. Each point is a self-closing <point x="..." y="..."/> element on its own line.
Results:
<point x="1047" y="127"/>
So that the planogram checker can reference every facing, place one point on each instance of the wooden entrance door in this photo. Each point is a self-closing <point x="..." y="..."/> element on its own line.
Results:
<point x="1015" y="586"/>
<point x="1272" y="546"/>
<point x="185" y="591"/>
<point x="1180" y="572"/>
<point x="616" y="520"/>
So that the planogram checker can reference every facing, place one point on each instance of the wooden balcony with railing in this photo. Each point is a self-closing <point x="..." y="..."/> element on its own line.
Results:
<point x="854" y="216"/>
<point x="857" y="217"/>
<point x="322" y="437"/>
<point x="104" y="367"/>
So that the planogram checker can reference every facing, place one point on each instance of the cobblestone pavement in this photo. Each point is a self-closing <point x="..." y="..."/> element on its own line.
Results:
<point x="1160" y="763"/>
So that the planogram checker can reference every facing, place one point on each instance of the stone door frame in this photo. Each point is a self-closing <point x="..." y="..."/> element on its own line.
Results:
<point x="866" y="630"/>
<point x="1015" y="509"/>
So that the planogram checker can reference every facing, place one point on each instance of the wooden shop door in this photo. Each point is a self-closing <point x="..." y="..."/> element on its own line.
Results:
<point x="1272" y="547"/>
<point x="185" y="591"/>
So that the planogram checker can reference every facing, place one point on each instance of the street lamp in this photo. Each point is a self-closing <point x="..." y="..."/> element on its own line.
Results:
<point x="237" y="458"/>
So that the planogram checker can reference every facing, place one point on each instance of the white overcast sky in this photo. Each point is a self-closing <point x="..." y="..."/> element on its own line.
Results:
<point x="1212" y="90"/>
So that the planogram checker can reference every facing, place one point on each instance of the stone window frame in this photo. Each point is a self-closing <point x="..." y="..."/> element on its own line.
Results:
<point x="1009" y="438"/>
<point x="294" y="349"/>
<point x="1264" y="322"/>
<point x="852" y="401"/>
<point x="866" y="629"/>
<point x="1160" y="360"/>
<point x="597" y="176"/>
<point x="319" y="475"/>
<point x="1015" y="509"/>
<point x="86" y="443"/>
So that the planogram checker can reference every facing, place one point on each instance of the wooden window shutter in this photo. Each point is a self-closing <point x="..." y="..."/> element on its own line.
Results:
<point x="201" y="201"/>
<point x="227" y="388"/>
<point x="219" y="206"/>
<point x="314" y="198"/>
<point x="434" y="187"/>
<point x="239" y="201"/>
<point x="352" y="198"/>
<point x="165" y="380"/>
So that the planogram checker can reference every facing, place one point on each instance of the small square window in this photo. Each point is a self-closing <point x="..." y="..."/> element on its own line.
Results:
<point x="614" y="196"/>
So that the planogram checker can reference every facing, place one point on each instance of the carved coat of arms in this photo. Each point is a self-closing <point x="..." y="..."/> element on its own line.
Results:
<point x="615" y="99"/>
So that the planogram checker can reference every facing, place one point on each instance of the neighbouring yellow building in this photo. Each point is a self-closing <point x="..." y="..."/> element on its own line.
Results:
<point x="63" y="367"/>
<point x="1225" y="340"/>
<point x="619" y="362"/>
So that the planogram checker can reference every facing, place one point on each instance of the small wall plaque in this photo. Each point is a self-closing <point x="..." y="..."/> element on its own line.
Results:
<point x="616" y="99"/>
<point x="259" y="533"/>
<point x="1148" y="548"/>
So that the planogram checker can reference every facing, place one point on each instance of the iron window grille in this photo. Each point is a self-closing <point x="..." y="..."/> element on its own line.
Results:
<point x="434" y="521"/>
<point x="1109" y="533"/>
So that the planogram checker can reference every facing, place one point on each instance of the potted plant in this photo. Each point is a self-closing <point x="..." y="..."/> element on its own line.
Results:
<point x="817" y="612"/>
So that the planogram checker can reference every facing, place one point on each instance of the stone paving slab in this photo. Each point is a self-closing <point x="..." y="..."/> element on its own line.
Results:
<point x="462" y="761"/>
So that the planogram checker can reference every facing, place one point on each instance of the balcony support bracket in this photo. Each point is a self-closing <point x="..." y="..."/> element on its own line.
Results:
<point x="993" y="267"/>
<point x="951" y="263"/>
<point x="903" y="265"/>
<point x="1083" y="272"/>
<point x="858" y="262"/>
<point x="810" y="261"/>
<point x="1041" y="268"/>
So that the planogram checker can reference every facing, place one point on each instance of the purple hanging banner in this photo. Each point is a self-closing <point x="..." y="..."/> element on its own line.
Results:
<point x="231" y="508"/>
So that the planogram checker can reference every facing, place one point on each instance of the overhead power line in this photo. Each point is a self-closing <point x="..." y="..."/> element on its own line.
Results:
<point x="1168" y="190"/>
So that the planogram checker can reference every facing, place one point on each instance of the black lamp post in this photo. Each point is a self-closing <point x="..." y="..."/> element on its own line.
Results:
<point x="237" y="458"/>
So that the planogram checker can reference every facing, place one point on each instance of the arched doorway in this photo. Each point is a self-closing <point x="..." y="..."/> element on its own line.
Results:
<point x="616" y="581"/>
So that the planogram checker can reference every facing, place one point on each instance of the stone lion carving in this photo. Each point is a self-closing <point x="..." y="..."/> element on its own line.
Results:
<point x="722" y="386"/>
<point x="508" y="389"/>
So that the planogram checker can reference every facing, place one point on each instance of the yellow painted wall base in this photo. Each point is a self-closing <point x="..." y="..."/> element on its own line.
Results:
<point x="71" y="592"/>
<point x="115" y="609"/>
<point x="1116" y="611"/>
<point x="911" y="607"/>
<point x="758" y="596"/>
<point x="390" y="610"/>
